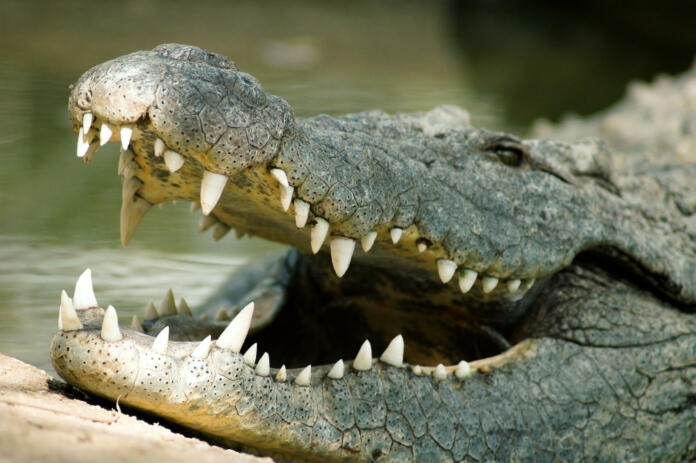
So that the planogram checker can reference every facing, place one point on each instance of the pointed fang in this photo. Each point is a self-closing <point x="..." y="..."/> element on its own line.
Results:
<point x="206" y="222"/>
<point x="250" y="355"/>
<point x="151" y="312"/>
<point x="394" y="353"/>
<point x="136" y="325"/>
<point x="220" y="231"/>
<point x="109" y="329"/>
<point x="440" y="372"/>
<point x="301" y="213"/>
<point x="337" y="370"/>
<point x="68" y="319"/>
<point x="183" y="308"/>
<point x="159" y="147"/>
<point x="282" y="374"/>
<point x="286" y="196"/>
<point x="167" y="306"/>
<point x="87" y="121"/>
<point x="463" y="370"/>
<point x="173" y="160"/>
<point x="363" y="361"/>
<point x="305" y="376"/>
<point x="341" y="254"/>
<point x="105" y="134"/>
<point x="279" y="174"/>
<point x="396" y="233"/>
<point x="318" y="234"/>
<point x="368" y="240"/>
<point x="132" y="213"/>
<point x="467" y="278"/>
<point x="513" y="285"/>
<point x="234" y="335"/>
<point x="263" y="368"/>
<point x="202" y="349"/>
<point x="126" y="134"/>
<point x="159" y="346"/>
<point x="82" y="144"/>
<point x="446" y="269"/>
<point x="212" y="186"/>
<point x="488" y="284"/>
<point x="83" y="297"/>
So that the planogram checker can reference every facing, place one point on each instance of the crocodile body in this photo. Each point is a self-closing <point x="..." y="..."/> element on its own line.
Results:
<point x="545" y="289"/>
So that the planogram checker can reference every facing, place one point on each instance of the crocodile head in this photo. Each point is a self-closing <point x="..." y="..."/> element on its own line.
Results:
<point x="432" y="227"/>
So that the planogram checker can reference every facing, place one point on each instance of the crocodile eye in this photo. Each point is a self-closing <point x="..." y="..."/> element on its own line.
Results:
<point x="509" y="156"/>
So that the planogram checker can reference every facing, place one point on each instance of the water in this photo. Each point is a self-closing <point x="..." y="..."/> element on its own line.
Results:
<point x="59" y="216"/>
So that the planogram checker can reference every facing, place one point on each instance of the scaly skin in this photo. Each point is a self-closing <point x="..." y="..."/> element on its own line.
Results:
<point x="603" y="362"/>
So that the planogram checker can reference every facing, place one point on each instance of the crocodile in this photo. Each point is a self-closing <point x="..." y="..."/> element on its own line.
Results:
<point x="534" y="298"/>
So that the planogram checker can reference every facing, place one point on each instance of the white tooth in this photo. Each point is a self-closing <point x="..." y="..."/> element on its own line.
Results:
<point x="513" y="285"/>
<point x="132" y="212"/>
<point x="286" y="196"/>
<point x="368" y="240"/>
<point x="151" y="312"/>
<point x="206" y="222"/>
<point x="105" y="134"/>
<point x="250" y="355"/>
<point x="202" y="349"/>
<point x="93" y="146"/>
<point x="336" y="371"/>
<point x="528" y="283"/>
<point x="305" y="376"/>
<point x="394" y="353"/>
<point x="195" y="205"/>
<point x="86" y="122"/>
<point x="220" y="231"/>
<point x="417" y="370"/>
<point x="234" y="335"/>
<point x="67" y="319"/>
<point x="126" y="133"/>
<point x="123" y="160"/>
<point x="396" y="233"/>
<point x="222" y="316"/>
<point x="279" y="175"/>
<point x="318" y="234"/>
<point x="363" y="361"/>
<point x="167" y="306"/>
<point x="301" y="213"/>
<point x="488" y="284"/>
<point x="263" y="368"/>
<point x="109" y="329"/>
<point x="446" y="269"/>
<point x="136" y="325"/>
<point x="282" y="374"/>
<point x="440" y="372"/>
<point x="83" y="297"/>
<point x="341" y="254"/>
<point x="159" y="147"/>
<point x="173" y="160"/>
<point x="130" y="186"/>
<point x="211" y="190"/>
<point x="422" y="247"/>
<point x="82" y="144"/>
<point x="467" y="278"/>
<point x="159" y="346"/>
<point x="183" y="308"/>
<point x="463" y="370"/>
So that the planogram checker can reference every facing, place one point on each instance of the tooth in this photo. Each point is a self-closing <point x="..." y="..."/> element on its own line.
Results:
<point x="318" y="234"/>
<point x="301" y="213"/>
<point x="159" y="147"/>
<point x="222" y="316"/>
<point x="422" y="247"/>
<point x="363" y="361"/>
<point x="136" y="325"/>
<point x="488" y="284"/>
<point x="279" y="175"/>
<point x="446" y="269"/>
<point x="173" y="160"/>
<point x="68" y="319"/>
<point x="105" y="134"/>
<point x="220" y="231"/>
<point x="167" y="306"/>
<point x="305" y="376"/>
<point x="129" y="188"/>
<point x="124" y="159"/>
<point x="195" y="205"/>
<point x="211" y="190"/>
<point x="528" y="283"/>
<point x="396" y="233"/>
<point x="394" y="353"/>
<point x="282" y="374"/>
<point x="368" y="240"/>
<point x="206" y="222"/>
<point x="86" y="121"/>
<point x="417" y="370"/>
<point x="286" y="196"/>
<point x="183" y="308"/>
<point x="132" y="212"/>
<point x="151" y="312"/>
<point x="467" y="278"/>
<point x="440" y="372"/>
<point x="341" y="254"/>
<point x="83" y="297"/>
<point x="126" y="133"/>
<point x="202" y="349"/>
<point x="159" y="346"/>
<point x="463" y="370"/>
<point x="336" y="371"/>
<point x="82" y="144"/>
<point x="93" y="146"/>
<point x="250" y="355"/>
<point x="109" y="329"/>
<point x="234" y="335"/>
<point x="513" y="285"/>
<point x="263" y="368"/>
